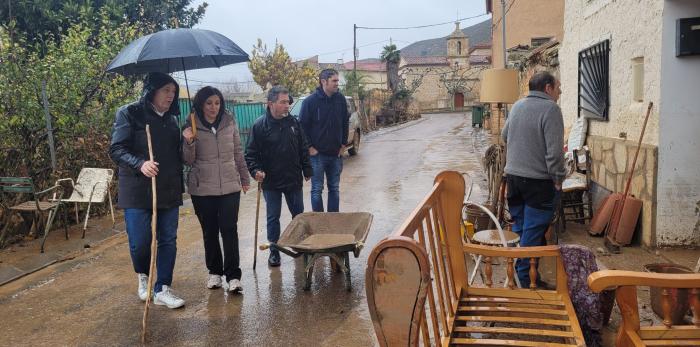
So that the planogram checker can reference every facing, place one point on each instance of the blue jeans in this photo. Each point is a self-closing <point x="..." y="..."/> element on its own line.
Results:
<point x="531" y="203"/>
<point x="273" y="203"/>
<point x="329" y="166"/>
<point x="530" y="224"/>
<point x="138" y="228"/>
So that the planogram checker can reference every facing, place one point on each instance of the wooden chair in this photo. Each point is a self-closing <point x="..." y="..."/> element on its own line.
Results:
<point x="631" y="333"/>
<point x="576" y="199"/>
<point x="91" y="187"/>
<point x="418" y="291"/>
<point x="36" y="206"/>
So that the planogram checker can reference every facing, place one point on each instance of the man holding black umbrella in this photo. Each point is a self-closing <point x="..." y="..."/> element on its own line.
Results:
<point x="158" y="107"/>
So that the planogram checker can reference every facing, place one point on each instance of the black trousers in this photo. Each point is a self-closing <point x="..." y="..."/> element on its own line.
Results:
<point x="218" y="214"/>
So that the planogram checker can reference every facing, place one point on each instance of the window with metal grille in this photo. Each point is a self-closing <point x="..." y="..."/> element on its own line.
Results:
<point x="594" y="81"/>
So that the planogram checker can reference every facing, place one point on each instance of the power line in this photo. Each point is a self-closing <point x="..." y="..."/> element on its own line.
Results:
<point x="494" y="25"/>
<point x="422" y="26"/>
<point x="350" y="48"/>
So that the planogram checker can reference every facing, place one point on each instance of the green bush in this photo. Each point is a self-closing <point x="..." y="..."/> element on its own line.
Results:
<point x="82" y="99"/>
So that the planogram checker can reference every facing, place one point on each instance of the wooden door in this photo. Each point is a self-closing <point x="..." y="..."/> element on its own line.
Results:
<point x="459" y="100"/>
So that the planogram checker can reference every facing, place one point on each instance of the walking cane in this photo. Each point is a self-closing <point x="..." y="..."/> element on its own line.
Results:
<point x="154" y="249"/>
<point x="257" y="215"/>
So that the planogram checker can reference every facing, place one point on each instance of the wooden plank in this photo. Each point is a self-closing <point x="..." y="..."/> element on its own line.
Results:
<point x="693" y="342"/>
<point x="601" y="280"/>
<point x="496" y="342"/>
<point x="6" y="180"/>
<point x="482" y="300"/>
<point x="520" y="331"/>
<point x="515" y="293"/>
<point x="562" y="287"/>
<point x="675" y="332"/>
<point x="512" y="310"/>
<point x="512" y="252"/>
<point x="18" y="189"/>
<point x="524" y="320"/>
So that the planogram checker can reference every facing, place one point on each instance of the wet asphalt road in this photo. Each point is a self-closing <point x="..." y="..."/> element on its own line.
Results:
<point x="93" y="301"/>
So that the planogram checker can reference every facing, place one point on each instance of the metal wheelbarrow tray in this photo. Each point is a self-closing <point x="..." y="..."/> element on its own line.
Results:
<point x="332" y="234"/>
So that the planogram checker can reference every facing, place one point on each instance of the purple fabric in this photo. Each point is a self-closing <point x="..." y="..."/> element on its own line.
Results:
<point x="579" y="262"/>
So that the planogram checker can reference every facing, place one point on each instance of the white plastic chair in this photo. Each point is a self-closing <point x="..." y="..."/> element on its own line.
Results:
<point x="92" y="186"/>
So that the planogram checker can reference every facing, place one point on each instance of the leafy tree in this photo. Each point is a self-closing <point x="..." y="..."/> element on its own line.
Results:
<point x="82" y="99"/>
<point x="42" y="20"/>
<point x="276" y="68"/>
<point x="392" y="57"/>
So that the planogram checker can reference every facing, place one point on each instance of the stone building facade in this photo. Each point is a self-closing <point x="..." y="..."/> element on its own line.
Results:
<point x="642" y="67"/>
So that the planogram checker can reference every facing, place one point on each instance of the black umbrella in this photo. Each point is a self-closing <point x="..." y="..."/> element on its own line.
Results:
<point x="177" y="50"/>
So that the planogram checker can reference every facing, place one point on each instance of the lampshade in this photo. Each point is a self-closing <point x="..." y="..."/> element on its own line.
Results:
<point x="500" y="86"/>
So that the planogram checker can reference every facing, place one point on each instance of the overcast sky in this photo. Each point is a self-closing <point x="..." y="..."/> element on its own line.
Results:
<point x="325" y="28"/>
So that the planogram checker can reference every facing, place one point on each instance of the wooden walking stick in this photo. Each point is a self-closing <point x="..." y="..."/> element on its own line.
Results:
<point x="257" y="215"/>
<point x="154" y="248"/>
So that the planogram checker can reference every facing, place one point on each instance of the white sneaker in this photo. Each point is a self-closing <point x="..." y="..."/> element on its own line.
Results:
<point x="234" y="286"/>
<point x="167" y="297"/>
<point x="214" y="281"/>
<point x="143" y="286"/>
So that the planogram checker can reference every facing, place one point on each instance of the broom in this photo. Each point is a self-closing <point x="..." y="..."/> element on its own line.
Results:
<point x="611" y="228"/>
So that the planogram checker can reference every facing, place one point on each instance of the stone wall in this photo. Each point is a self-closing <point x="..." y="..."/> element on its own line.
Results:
<point x="431" y="94"/>
<point x="611" y="159"/>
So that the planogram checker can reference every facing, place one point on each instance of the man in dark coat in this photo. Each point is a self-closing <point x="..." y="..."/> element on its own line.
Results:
<point x="158" y="107"/>
<point x="325" y="119"/>
<point x="278" y="156"/>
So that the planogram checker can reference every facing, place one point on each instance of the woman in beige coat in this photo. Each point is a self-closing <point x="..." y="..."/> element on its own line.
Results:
<point x="218" y="175"/>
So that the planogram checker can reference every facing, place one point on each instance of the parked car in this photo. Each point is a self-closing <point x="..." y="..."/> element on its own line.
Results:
<point x="354" y="132"/>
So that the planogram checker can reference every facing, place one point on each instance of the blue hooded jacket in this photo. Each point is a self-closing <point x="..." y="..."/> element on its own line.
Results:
<point x="324" y="120"/>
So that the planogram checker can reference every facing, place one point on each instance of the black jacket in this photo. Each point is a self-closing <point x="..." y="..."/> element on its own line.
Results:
<point x="129" y="149"/>
<point x="325" y="120"/>
<point x="278" y="148"/>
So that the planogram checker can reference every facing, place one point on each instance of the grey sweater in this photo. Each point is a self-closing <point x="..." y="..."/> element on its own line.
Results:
<point x="534" y="136"/>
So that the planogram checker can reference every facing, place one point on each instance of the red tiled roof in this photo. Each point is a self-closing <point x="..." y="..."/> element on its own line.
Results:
<point x="425" y="60"/>
<point x="481" y="45"/>
<point x="479" y="59"/>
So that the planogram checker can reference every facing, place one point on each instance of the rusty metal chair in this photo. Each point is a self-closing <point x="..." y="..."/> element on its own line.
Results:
<point x="36" y="206"/>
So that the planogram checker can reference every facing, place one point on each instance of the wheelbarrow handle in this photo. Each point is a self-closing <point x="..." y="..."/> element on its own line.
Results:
<point x="274" y="246"/>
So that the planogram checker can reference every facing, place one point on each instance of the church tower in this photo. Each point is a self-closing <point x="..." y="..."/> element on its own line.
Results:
<point x="458" y="48"/>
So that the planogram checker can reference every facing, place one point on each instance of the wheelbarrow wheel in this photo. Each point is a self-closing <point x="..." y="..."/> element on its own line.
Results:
<point x="348" y="283"/>
<point x="309" y="266"/>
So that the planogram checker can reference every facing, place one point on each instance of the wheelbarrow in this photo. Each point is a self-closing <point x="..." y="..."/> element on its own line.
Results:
<point x="317" y="234"/>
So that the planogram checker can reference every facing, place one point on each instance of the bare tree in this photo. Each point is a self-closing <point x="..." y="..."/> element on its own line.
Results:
<point x="461" y="80"/>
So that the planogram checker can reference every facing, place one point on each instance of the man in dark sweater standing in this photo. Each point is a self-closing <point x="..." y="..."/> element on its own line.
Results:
<point x="534" y="136"/>
<point x="324" y="118"/>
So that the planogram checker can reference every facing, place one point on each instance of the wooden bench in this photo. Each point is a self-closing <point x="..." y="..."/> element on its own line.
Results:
<point x="417" y="288"/>
<point x="631" y="333"/>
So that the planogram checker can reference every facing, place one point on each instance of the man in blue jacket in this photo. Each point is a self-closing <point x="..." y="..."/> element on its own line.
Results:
<point x="324" y="118"/>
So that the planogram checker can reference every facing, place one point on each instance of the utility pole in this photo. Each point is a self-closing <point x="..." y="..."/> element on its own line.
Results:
<point x="354" y="49"/>
<point x="503" y="36"/>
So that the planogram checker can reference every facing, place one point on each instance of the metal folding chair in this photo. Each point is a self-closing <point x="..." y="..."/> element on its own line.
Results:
<point x="92" y="186"/>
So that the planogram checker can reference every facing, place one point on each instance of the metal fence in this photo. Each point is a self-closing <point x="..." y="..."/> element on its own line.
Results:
<point x="245" y="114"/>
